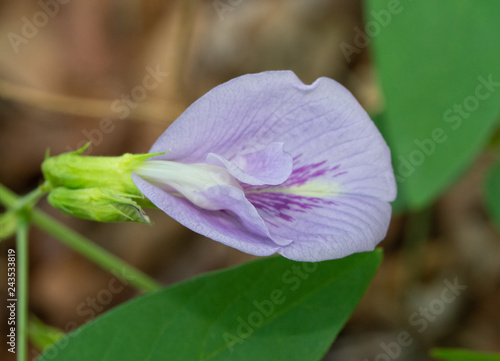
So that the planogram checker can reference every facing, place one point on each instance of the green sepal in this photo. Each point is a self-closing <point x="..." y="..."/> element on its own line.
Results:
<point x="75" y="171"/>
<point x="96" y="188"/>
<point x="98" y="204"/>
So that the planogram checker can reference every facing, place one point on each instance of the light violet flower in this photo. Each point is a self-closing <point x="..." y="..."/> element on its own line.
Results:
<point x="266" y="164"/>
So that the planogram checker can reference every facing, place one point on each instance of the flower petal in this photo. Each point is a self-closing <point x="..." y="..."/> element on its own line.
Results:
<point x="237" y="224"/>
<point x="271" y="165"/>
<point x="324" y="229"/>
<point x="187" y="180"/>
<point x="335" y="201"/>
<point x="321" y="122"/>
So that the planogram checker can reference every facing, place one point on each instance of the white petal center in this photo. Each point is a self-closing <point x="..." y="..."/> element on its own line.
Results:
<point x="187" y="180"/>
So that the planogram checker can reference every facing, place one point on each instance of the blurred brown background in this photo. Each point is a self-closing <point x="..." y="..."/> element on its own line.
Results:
<point x="78" y="73"/>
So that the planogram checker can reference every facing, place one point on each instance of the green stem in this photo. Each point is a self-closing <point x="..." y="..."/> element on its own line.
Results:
<point x="16" y="203"/>
<point x="84" y="246"/>
<point x="41" y="335"/>
<point x="7" y="197"/>
<point x="22" y="287"/>
<point x="31" y="198"/>
<point x="95" y="253"/>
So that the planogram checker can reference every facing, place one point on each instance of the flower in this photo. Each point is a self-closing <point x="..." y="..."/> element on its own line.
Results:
<point x="267" y="164"/>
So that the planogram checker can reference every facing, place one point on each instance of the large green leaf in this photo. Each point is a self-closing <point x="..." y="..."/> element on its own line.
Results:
<point x="493" y="193"/>
<point x="445" y="354"/>
<point x="270" y="309"/>
<point x="439" y="68"/>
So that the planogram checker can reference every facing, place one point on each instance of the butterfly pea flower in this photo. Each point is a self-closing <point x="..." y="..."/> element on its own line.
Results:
<point x="267" y="164"/>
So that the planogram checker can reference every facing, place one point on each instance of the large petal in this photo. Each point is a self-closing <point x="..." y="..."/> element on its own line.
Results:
<point x="323" y="229"/>
<point x="237" y="223"/>
<point x="321" y="122"/>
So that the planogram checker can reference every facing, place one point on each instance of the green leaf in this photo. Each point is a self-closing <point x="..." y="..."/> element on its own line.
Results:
<point x="8" y="225"/>
<point x="445" y="354"/>
<point x="269" y="309"/>
<point x="493" y="193"/>
<point x="440" y="75"/>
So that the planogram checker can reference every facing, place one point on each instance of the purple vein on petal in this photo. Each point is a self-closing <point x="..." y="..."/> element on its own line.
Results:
<point x="280" y="204"/>
<point x="308" y="187"/>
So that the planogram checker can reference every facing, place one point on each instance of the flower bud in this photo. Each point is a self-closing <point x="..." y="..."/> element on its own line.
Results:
<point x="75" y="171"/>
<point x="96" y="188"/>
<point x="98" y="204"/>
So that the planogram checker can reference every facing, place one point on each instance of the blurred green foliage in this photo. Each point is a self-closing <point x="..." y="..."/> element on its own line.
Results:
<point x="445" y="354"/>
<point x="439" y="70"/>
<point x="492" y="193"/>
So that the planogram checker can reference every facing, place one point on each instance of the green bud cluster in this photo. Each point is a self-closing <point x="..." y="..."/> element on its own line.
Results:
<point x="96" y="188"/>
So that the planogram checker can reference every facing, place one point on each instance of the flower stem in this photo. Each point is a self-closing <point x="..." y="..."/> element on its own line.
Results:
<point x="83" y="245"/>
<point x="31" y="198"/>
<point x="41" y="335"/>
<point x="12" y="201"/>
<point x="22" y="287"/>
<point x="95" y="253"/>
